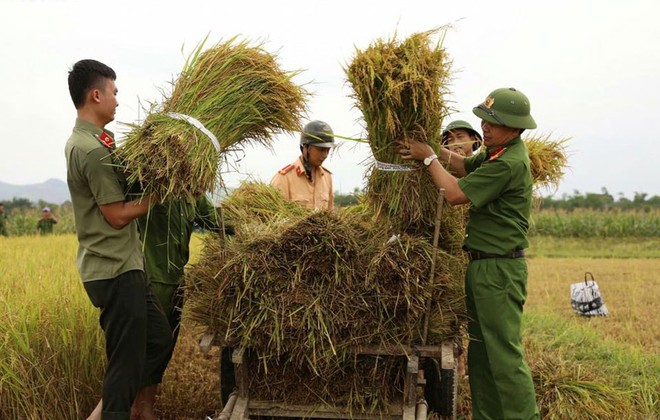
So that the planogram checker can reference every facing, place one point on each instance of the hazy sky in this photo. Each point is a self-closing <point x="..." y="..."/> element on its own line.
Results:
<point x="591" y="72"/>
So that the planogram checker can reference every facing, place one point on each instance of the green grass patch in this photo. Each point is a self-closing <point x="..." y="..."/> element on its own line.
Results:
<point x="586" y="223"/>
<point x="594" y="247"/>
<point x="581" y="375"/>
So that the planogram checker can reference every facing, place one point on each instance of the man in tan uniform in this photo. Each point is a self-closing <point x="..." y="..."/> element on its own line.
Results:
<point x="305" y="181"/>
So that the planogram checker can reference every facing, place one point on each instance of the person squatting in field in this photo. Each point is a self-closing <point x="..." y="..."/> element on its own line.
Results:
<point x="110" y="259"/>
<point x="497" y="184"/>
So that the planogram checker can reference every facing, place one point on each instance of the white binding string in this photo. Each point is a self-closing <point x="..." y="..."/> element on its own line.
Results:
<point x="393" y="167"/>
<point x="197" y="124"/>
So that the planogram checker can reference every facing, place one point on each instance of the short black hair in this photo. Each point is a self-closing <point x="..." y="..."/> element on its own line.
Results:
<point x="85" y="75"/>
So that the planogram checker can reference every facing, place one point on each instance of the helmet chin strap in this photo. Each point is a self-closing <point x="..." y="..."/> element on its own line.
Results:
<point x="306" y="165"/>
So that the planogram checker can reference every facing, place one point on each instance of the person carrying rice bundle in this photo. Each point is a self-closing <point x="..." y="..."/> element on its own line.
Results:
<point x="498" y="185"/>
<point x="110" y="259"/>
<point x="226" y="97"/>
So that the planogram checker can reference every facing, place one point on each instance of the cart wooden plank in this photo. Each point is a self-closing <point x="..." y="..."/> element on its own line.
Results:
<point x="276" y="409"/>
<point x="240" y="411"/>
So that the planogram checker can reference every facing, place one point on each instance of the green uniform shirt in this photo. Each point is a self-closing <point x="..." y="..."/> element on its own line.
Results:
<point x="499" y="188"/>
<point x="166" y="232"/>
<point x="3" y="228"/>
<point x="103" y="252"/>
<point x="45" y="227"/>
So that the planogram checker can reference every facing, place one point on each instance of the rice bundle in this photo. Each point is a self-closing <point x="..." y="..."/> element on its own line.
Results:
<point x="238" y="92"/>
<point x="305" y="289"/>
<point x="255" y="205"/>
<point x="547" y="160"/>
<point x="367" y="384"/>
<point x="399" y="87"/>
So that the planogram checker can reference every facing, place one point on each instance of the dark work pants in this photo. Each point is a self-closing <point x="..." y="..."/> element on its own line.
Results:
<point x="137" y="338"/>
<point x="170" y="297"/>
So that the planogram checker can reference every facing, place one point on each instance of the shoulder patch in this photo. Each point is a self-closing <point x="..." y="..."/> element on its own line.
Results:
<point x="495" y="153"/>
<point x="106" y="140"/>
<point x="286" y="169"/>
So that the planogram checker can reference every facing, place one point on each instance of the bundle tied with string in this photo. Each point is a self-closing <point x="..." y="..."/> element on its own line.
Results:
<point x="302" y="289"/>
<point x="227" y="96"/>
<point x="399" y="87"/>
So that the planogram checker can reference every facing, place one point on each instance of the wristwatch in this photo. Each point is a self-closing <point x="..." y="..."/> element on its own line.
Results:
<point x="428" y="160"/>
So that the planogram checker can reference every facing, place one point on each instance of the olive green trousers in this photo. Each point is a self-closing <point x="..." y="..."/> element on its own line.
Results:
<point x="500" y="381"/>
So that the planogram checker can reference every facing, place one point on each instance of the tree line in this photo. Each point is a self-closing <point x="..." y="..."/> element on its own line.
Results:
<point x="601" y="201"/>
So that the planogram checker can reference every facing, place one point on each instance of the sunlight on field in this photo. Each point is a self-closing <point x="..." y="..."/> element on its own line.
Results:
<point x="51" y="348"/>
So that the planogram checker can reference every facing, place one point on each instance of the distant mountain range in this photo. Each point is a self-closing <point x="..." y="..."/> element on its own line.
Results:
<point x="52" y="191"/>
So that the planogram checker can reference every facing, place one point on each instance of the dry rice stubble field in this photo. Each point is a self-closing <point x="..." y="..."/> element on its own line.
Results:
<point x="629" y="287"/>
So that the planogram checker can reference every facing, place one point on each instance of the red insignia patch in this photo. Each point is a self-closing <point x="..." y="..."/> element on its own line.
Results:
<point x="107" y="141"/>
<point x="285" y="170"/>
<point x="495" y="153"/>
<point x="299" y="171"/>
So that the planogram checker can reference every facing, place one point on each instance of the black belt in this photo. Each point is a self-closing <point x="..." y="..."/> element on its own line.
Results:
<point x="478" y="255"/>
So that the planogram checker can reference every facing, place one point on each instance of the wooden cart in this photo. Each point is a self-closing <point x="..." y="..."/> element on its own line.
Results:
<point x="242" y="405"/>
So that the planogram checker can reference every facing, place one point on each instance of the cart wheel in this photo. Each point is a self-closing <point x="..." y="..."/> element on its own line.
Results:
<point x="227" y="375"/>
<point x="449" y="379"/>
<point x="448" y="392"/>
<point x="441" y="390"/>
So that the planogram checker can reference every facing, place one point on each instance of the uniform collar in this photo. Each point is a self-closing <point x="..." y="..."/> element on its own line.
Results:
<point x="101" y="134"/>
<point x="511" y="142"/>
<point x="300" y="168"/>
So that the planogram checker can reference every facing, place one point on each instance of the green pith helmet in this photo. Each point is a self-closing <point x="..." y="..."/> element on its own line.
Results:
<point x="317" y="133"/>
<point x="454" y="125"/>
<point x="506" y="106"/>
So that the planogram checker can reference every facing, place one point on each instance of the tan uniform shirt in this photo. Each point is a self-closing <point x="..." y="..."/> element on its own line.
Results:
<point x="294" y="185"/>
<point x="94" y="180"/>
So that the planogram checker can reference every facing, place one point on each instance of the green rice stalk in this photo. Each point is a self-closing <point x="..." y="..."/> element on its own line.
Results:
<point x="547" y="160"/>
<point x="238" y="92"/>
<point x="255" y="205"/>
<point x="567" y="390"/>
<point x="399" y="86"/>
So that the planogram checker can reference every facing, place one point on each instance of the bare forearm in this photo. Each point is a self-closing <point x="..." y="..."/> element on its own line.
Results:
<point x="443" y="179"/>
<point x="416" y="150"/>
<point x="121" y="213"/>
<point x="455" y="162"/>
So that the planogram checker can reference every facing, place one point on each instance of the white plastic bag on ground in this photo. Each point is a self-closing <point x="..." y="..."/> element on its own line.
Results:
<point x="586" y="298"/>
